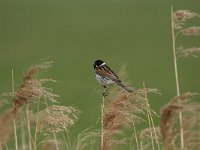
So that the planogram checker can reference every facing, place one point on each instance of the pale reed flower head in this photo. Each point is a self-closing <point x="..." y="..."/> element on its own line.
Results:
<point x="191" y="31"/>
<point x="169" y="123"/>
<point x="181" y="16"/>
<point x="32" y="89"/>
<point x="121" y="110"/>
<point x="55" y="118"/>
<point x="194" y="52"/>
<point x="5" y="126"/>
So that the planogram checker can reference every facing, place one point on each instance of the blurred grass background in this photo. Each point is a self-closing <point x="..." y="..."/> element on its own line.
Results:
<point x="74" y="33"/>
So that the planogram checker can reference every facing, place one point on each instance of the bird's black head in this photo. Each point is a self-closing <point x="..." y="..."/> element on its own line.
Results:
<point x="98" y="63"/>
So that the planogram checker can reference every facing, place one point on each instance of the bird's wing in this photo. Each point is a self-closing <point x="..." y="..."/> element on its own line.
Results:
<point x="105" y="71"/>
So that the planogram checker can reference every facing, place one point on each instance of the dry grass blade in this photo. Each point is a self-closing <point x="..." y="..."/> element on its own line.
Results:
<point x="31" y="88"/>
<point x="55" y="118"/>
<point x="191" y="122"/>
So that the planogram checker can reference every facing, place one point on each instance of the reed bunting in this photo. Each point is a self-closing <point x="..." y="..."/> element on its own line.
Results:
<point x="105" y="76"/>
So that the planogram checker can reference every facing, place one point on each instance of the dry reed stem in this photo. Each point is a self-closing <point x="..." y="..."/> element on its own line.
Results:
<point x="136" y="138"/>
<point x="22" y="129"/>
<point x="13" y="116"/>
<point x="28" y="128"/>
<point x="67" y="139"/>
<point x="36" y="125"/>
<point x="102" y="122"/>
<point x="56" y="141"/>
<point x="176" y="77"/>
<point x="148" y="116"/>
<point x="151" y="122"/>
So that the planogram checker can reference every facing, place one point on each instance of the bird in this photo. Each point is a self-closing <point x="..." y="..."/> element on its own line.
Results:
<point x="106" y="76"/>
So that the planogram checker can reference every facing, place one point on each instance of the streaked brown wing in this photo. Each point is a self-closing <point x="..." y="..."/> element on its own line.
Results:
<point x="105" y="71"/>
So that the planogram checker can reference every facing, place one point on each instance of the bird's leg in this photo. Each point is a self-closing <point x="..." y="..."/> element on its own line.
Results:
<point x="104" y="91"/>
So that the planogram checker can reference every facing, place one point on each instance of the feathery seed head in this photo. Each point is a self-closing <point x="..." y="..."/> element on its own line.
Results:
<point x="32" y="88"/>
<point x="55" y="118"/>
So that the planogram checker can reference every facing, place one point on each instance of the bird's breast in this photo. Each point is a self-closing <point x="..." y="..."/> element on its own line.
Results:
<point x="104" y="80"/>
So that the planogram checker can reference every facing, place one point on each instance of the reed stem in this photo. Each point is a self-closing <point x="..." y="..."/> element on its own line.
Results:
<point x="177" y="80"/>
<point x="102" y="122"/>
<point x="13" y="117"/>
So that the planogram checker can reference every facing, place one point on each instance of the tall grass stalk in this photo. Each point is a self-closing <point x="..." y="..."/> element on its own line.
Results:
<point x="28" y="128"/>
<point x="68" y="141"/>
<point x="150" y="121"/>
<point x="56" y="141"/>
<point x="150" y="127"/>
<point x="15" y="133"/>
<point x="148" y="116"/>
<point x="23" y="142"/>
<point x="54" y="135"/>
<point x="154" y="130"/>
<point x="102" y="123"/>
<point x="14" y="119"/>
<point x="141" y="145"/>
<point x="36" y="125"/>
<point x="177" y="80"/>
<point x="135" y="136"/>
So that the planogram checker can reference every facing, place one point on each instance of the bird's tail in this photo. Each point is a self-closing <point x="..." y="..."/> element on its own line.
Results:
<point x="124" y="87"/>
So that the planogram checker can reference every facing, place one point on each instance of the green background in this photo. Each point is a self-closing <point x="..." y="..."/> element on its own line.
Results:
<point x="74" y="33"/>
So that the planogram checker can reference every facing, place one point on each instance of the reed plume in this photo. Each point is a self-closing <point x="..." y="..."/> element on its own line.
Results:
<point x="121" y="109"/>
<point x="191" y="122"/>
<point x="31" y="88"/>
<point x="55" y="118"/>
<point x="179" y="26"/>
<point x="5" y="126"/>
